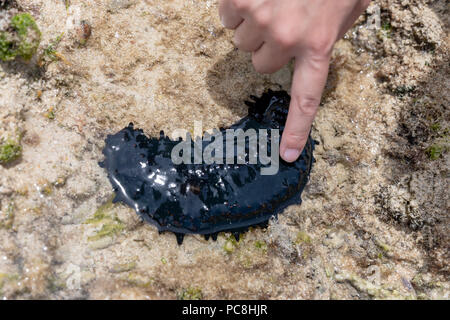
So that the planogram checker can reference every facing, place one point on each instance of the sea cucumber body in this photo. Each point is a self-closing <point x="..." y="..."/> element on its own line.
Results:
<point x="205" y="198"/>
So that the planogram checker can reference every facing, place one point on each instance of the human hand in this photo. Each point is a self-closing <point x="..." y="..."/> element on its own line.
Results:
<point x="275" y="31"/>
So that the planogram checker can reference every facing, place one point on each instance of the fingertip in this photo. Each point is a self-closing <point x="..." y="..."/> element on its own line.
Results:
<point x="307" y="85"/>
<point x="290" y="154"/>
<point x="291" y="146"/>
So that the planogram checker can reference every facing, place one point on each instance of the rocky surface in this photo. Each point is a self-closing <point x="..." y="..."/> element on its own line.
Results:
<point x="374" y="222"/>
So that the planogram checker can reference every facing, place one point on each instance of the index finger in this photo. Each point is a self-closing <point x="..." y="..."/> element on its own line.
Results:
<point x="309" y="79"/>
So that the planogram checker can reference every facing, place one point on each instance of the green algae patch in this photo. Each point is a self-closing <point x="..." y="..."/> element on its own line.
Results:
<point x="229" y="246"/>
<point x="2" y="280"/>
<point x="23" y="39"/>
<point x="435" y="127"/>
<point x="7" y="218"/>
<point x="123" y="267"/>
<point x="261" y="245"/>
<point x="109" y="229"/>
<point x="111" y="224"/>
<point x="373" y="290"/>
<point x="7" y="51"/>
<point x="50" y="53"/>
<point x="138" y="280"/>
<point x="385" y="250"/>
<point x="6" y="277"/>
<point x="102" y="213"/>
<point x="45" y="187"/>
<point x="252" y="254"/>
<point x="10" y="150"/>
<point x="29" y="35"/>
<point x="434" y="152"/>
<point x="55" y="284"/>
<point x="302" y="237"/>
<point x="191" y="293"/>
<point x="385" y="31"/>
<point x="50" y="114"/>
<point x="329" y="272"/>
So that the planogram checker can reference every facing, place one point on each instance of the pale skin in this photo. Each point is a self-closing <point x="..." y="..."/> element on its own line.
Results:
<point x="276" y="31"/>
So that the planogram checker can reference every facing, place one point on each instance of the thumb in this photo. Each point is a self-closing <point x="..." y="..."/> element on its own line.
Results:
<point x="309" y="79"/>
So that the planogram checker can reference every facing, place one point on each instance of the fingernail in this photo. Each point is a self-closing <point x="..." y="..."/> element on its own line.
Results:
<point x="222" y="19"/>
<point x="291" y="155"/>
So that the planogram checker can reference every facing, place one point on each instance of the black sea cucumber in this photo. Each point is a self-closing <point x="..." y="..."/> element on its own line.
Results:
<point x="205" y="198"/>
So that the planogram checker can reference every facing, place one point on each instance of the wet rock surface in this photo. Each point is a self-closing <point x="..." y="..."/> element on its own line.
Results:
<point x="374" y="218"/>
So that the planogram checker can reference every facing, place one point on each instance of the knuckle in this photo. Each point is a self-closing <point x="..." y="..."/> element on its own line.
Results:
<point x="293" y="139"/>
<point x="284" y="36"/>
<point x="307" y="105"/>
<point x="262" y="18"/>
<point x="240" y="5"/>
<point x="321" y="46"/>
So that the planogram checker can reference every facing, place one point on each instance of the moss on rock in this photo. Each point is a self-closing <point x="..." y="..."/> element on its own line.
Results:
<point x="21" y="39"/>
<point x="435" y="151"/>
<point x="110" y="223"/>
<point x="7" y="51"/>
<point x="191" y="293"/>
<point x="9" y="150"/>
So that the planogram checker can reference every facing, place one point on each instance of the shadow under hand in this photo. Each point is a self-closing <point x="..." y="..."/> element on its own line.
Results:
<point x="233" y="79"/>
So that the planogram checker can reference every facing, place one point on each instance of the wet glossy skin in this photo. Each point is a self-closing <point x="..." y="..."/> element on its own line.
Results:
<point x="201" y="198"/>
